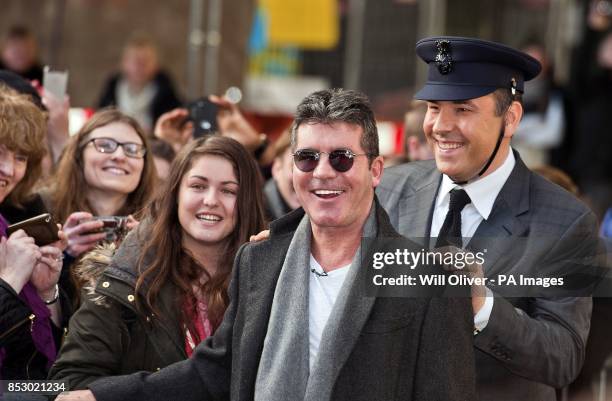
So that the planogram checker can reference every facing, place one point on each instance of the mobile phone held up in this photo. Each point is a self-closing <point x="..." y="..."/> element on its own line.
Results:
<point x="203" y="114"/>
<point x="55" y="82"/>
<point x="115" y="227"/>
<point x="42" y="228"/>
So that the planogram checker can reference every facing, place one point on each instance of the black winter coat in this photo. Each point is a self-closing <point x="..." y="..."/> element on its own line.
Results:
<point x="108" y="335"/>
<point x="165" y="98"/>
<point x="21" y="359"/>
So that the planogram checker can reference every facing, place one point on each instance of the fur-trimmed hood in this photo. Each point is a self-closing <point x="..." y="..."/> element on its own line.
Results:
<point x="89" y="269"/>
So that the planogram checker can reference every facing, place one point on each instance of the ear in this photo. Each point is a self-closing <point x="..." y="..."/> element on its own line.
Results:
<point x="276" y="168"/>
<point x="512" y="118"/>
<point x="376" y="170"/>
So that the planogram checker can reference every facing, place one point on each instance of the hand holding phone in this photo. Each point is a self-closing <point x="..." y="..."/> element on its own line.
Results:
<point x="83" y="233"/>
<point x="175" y="128"/>
<point x="233" y="124"/>
<point x="18" y="255"/>
<point x="42" y="228"/>
<point x="55" y="83"/>
<point x="203" y="114"/>
<point x="115" y="227"/>
<point x="47" y="271"/>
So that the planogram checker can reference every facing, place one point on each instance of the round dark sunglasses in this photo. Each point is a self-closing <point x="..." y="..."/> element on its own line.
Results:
<point x="341" y="160"/>
<point x="109" y="145"/>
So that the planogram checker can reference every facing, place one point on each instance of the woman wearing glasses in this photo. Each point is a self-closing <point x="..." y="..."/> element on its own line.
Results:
<point x="165" y="289"/>
<point x="105" y="171"/>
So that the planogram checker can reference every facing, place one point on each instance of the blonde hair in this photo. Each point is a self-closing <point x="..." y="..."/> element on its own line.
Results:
<point x="23" y="127"/>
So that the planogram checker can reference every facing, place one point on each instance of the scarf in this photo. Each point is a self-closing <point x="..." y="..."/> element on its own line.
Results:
<point x="3" y="226"/>
<point x="284" y="372"/>
<point x="42" y="334"/>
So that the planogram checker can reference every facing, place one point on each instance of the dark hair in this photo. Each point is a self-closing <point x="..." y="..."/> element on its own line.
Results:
<point x="503" y="100"/>
<point x="23" y="127"/>
<point x="70" y="174"/>
<point x="19" y="32"/>
<point x="413" y="121"/>
<point x="162" y="149"/>
<point x="339" y="105"/>
<point x="171" y="262"/>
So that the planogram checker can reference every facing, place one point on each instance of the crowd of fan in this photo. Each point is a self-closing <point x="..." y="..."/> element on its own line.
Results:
<point x="189" y="204"/>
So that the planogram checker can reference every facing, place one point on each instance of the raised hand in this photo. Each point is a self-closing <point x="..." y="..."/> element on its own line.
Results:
<point x="81" y="233"/>
<point x="472" y="270"/>
<point x="233" y="124"/>
<point x="173" y="128"/>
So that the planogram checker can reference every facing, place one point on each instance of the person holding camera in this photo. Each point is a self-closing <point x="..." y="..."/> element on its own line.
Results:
<point x="106" y="170"/>
<point x="165" y="288"/>
<point x="177" y="127"/>
<point x="33" y="309"/>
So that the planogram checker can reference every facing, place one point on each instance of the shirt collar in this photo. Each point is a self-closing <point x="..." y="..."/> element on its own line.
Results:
<point x="482" y="191"/>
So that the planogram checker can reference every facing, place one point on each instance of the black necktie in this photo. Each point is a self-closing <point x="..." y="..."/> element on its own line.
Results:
<point x="450" y="233"/>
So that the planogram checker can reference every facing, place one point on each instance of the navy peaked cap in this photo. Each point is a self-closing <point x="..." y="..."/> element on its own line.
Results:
<point x="467" y="68"/>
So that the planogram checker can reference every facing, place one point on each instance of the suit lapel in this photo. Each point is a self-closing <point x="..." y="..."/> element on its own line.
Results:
<point x="503" y="222"/>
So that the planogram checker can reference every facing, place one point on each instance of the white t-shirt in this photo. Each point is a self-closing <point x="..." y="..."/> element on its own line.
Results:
<point x="322" y="296"/>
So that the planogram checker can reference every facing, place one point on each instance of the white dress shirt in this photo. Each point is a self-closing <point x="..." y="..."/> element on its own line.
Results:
<point x="482" y="193"/>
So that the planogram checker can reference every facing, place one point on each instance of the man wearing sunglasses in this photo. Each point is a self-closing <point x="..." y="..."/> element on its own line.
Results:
<point x="299" y="326"/>
<point x="478" y="194"/>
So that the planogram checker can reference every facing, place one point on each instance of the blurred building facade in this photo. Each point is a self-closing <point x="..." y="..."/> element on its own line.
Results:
<point x="374" y="50"/>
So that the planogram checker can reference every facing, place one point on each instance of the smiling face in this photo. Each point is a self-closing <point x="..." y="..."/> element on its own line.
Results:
<point x="463" y="135"/>
<point x="13" y="167"/>
<point x="207" y="202"/>
<point x="333" y="199"/>
<point x="112" y="172"/>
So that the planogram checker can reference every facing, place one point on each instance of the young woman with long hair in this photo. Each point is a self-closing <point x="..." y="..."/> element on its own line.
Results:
<point x="165" y="288"/>
<point x="105" y="170"/>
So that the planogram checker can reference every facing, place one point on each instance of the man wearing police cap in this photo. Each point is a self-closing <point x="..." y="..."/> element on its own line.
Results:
<point x="478" y="189"/>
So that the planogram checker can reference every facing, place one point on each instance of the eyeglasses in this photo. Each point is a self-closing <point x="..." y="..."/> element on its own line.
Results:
<point x="340" y="159"/>
<point x="109" y="145"/>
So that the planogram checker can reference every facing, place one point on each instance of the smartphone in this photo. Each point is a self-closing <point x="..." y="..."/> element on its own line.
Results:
<point x="42" y="228"/>
<point x="115" y="227"/>
<point x="203" y="114"/>
<point x="55" y="82"/>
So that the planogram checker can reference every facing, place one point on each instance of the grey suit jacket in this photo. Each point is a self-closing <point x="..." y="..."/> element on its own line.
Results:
<point x="387" y="348"/>
<point x="530" y="345"/>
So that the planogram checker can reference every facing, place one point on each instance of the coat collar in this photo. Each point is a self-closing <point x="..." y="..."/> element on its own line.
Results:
<point x="504" y="221"/>
<point x="512" y="201"/>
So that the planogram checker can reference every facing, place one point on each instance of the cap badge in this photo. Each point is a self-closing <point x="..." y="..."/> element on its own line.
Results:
<point x="443" y="60"/>
<point x="513" y="84"/>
